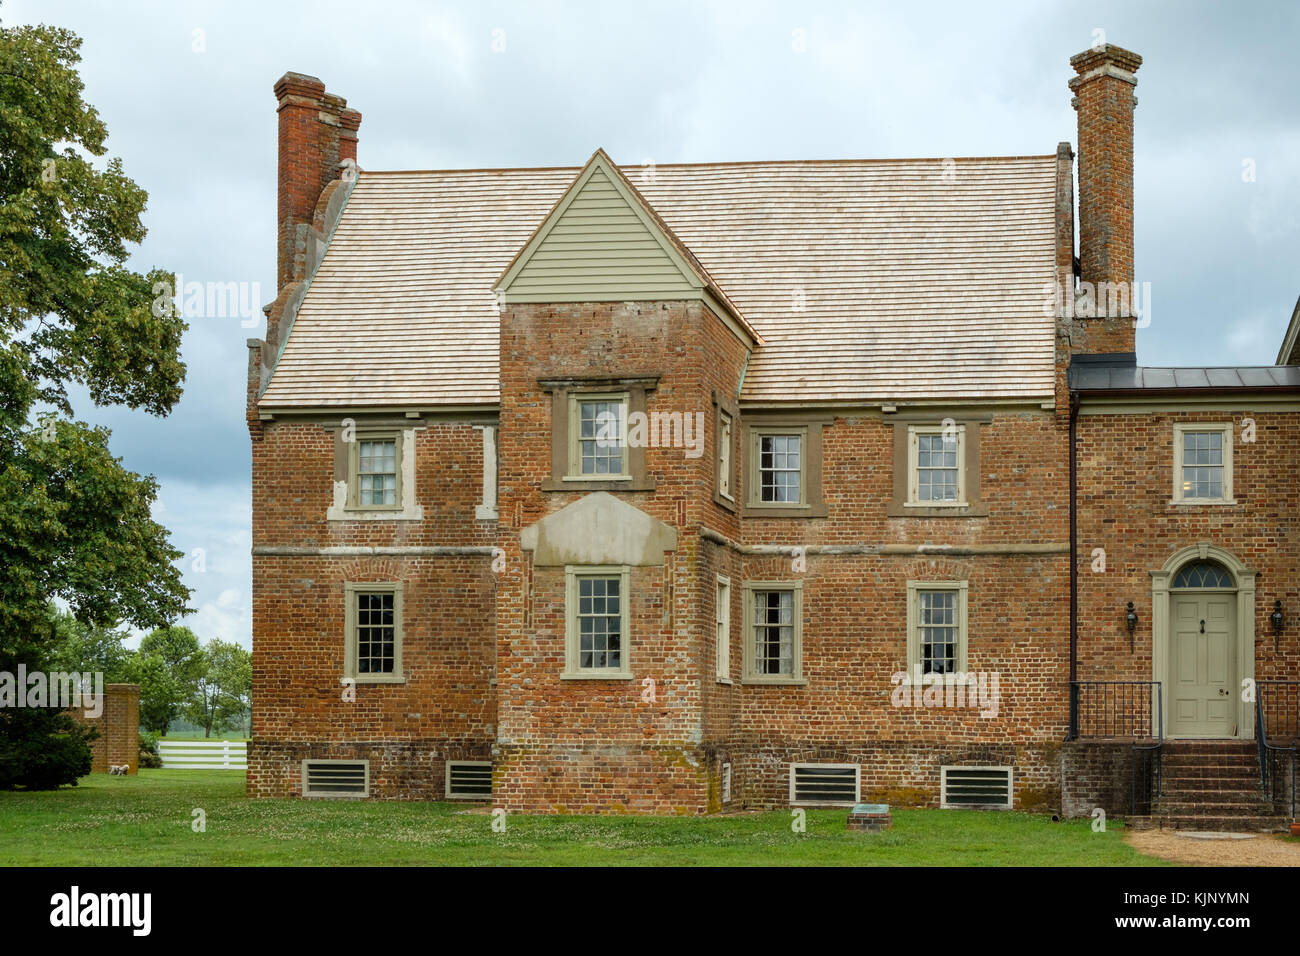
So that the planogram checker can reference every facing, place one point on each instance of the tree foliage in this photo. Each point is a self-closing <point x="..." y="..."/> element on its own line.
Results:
<point x="223" y="694"/>
<point x="74" y="523"/>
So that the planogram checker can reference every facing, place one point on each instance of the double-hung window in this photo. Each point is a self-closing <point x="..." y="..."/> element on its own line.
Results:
<point x="598" y="436"/>
<point x="1203" y="464"/>
<point x="596" y="641"/>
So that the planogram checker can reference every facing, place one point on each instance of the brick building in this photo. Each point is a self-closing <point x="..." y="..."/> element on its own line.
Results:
<point x="684" y="488"/>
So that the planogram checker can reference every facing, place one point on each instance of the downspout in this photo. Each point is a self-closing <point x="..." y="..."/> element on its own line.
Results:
<point x="1074" y="573"/>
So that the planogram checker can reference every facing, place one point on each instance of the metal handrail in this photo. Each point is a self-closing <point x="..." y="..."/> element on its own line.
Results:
<point x="1268" y="749"/>
<point x="1117" y="709"/>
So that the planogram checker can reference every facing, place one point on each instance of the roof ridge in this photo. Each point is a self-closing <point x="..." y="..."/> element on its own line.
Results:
<point x="716" y="164"/>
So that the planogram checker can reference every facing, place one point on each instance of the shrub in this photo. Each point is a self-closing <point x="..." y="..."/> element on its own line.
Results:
<point x="42" y="748"/>
<point x="149" y="756"/>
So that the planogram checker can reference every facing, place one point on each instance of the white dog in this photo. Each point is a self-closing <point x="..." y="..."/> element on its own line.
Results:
<point x="121" y="771"/>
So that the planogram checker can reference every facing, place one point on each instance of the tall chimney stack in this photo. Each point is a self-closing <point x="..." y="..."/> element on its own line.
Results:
<point x="1104" y="100"/>
<point x="317" y="132"/>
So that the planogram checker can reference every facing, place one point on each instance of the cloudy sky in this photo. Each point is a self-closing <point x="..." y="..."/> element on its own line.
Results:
<point x="185" y="89"/>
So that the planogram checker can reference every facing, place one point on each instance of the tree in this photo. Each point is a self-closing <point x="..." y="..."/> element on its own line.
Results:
<point x="224" y="692"/>
<point x="88" y="649"/>
<point x="170" y="666"/>
<point x="74" y="523"/>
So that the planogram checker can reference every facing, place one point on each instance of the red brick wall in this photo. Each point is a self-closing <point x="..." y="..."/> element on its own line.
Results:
<point x="1125" y="486"/>
<point x="446" y="708"/>
<point x="119" y="729"/>
<point x="593" y="745"/>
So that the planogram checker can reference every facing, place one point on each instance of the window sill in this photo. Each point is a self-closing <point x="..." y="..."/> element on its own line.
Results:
<point x="971" y="509"/>
<point x="596" y="478"/>
<point x="785" y="511"/>
<point x="626" y="483"/>
<point x="776" y="682"/>
<point x="373" y="679"/>
<point x="485" y="513"/>
<point x="726" y="680"/>
<point x="1203" y="502"/>
<point x="599" y="675"/>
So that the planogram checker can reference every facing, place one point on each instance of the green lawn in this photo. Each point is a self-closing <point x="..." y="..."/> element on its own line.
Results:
<point x="146" y="820"/>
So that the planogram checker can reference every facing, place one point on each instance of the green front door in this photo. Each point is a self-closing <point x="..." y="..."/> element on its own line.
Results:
<point x="1202" y="655"/>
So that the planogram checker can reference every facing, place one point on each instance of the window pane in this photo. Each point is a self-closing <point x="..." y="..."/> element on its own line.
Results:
<point x="376" y="635"/>
<point x="774" y="632"/>
<point x="937" y="613"/>
<point x="936" y="467"/>
<point x="779" y="467"/>
<point x="600" y="437"/>
<point x="377" y="472"/>
<point x="600" y="622"/>
<point x="1202" y="464"/>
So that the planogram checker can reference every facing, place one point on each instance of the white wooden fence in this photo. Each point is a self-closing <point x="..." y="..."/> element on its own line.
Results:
<point x="204" y="754"/>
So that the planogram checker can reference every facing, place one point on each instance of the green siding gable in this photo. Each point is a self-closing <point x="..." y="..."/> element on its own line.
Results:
<point x="599" y="246"/>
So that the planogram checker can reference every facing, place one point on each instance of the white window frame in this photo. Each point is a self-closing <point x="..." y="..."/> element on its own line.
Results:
<point x="351" y="589"/>
<point x="576" y="399"/>
<point x="722" y="628"/>
<point x="747" y="592"/>
<point x="1181" y="429"/>
<point x="726" y="438"/>
<point x="914" y="432"/>
<point x="756" y="435"/>
<point x="572" y="641"/>
<point x="486" y="510"/>
<point x="914" y="659"/>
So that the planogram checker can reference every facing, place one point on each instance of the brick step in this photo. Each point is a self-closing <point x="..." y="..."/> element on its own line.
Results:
<point x="1217" y="808"/>
<point x="1271" y="824"/>
<point x="1207" y="768"/>
<point x="1189" y="795"/>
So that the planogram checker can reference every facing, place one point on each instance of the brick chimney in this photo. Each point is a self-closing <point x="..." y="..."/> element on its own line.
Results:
<point x="317" y="132"/>
<point x="1104" y="100"/>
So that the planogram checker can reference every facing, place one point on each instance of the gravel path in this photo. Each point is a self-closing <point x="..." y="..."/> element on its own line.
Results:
<point x="1265" y="850"/>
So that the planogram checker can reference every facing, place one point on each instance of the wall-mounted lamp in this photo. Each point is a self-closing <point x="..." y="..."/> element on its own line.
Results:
<point x="1277" y="620"/>
<point x="1131" y="619"/>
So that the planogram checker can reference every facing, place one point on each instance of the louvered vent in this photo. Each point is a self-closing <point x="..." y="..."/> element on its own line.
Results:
<point x="824" y="783"/>
<point x="988" y="787"/>
<point x="726" y="783"/>
<point x="469" y="780"/>
<point x="335" y="778"/>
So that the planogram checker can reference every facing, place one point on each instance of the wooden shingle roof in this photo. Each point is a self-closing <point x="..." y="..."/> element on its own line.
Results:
<point x="872" y="280"/>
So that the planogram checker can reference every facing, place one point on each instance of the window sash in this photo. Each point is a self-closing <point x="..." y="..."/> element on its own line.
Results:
<point x="377" y="472"/>
<point x="937" y="466"/>
<point x="780" y="468"/>
<point x="939" y="632"/>
<point x="376" y="632"/>
<point x="1202" y="464"/>
<point x="598" y="436"/>
<point x="724" y="455"/>
<point x="773" y="633"/>
<point x="599" y="617"/>
<point x="722" y="628"/>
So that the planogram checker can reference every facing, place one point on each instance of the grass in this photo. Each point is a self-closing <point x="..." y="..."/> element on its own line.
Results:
<point x="146" y="820"/>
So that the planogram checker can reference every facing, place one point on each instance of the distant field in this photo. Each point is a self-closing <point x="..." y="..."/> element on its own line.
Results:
<point x="198" y="735"/>
<point x="147" y="820"/>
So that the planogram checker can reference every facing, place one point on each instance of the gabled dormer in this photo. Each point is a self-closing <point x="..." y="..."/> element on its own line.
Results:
<point x="602" y="242"/>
